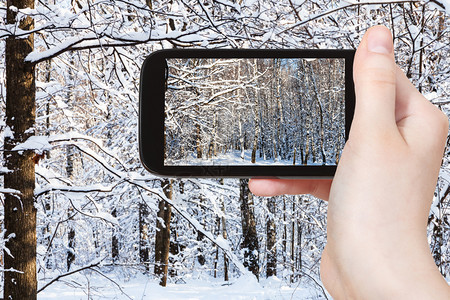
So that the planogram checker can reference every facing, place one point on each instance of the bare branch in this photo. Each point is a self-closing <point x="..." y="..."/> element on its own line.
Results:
<point x="69" y="273"/>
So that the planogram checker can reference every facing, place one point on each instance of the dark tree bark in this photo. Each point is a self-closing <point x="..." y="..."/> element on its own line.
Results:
<point x="70" y="246"/>
<point x="115" y="240"/>
<point x="176" y="247"/>
<point x="299" y="260"/>
<point x="198" y="140"/>
<point x="162" y="243"/>
<point x="216" y="259"/>
<point x="144" y="247"/>
<point x="250" y="237"/>
<point x="271" y="239"/>
<point x="200" y="236"/>
<point x="20" y="211"/>
<point x="437" y="240"/>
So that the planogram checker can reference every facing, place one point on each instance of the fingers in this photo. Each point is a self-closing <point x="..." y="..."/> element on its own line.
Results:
<point x="319" y="188"/>
<point x="388" y="105"/>
<point x="374" y="73"/>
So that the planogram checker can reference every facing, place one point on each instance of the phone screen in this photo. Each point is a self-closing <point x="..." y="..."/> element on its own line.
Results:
<point x="254" y="111"/>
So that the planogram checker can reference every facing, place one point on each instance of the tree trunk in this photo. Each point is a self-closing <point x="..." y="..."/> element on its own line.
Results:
<point x="216" y="259"/>
<point x="299" y="259"/>
<point x="271" y="239"/>
<point x="144" y="247"/>
<point x="250" y="242"/>
<point x="256" y="112"/>
<point x="162" y="243"/>
<point x="71" y="234"/>
<point x="70" y="245"/>
<point x="200" y="236"/>
<point x="115" y="239"/>
<point x="198" y="140"/>
<point x="316" y="97"/>
<point x="175" y="248"/>
<point x="225" y="236"/>
<point x="69" y="171"/>
<point x="20" y="211"/>
<point x="47" y="206"/>
<point x="293" y="238"/>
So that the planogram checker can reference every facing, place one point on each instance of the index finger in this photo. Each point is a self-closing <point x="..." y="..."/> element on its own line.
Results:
<point x="319" y="188"/>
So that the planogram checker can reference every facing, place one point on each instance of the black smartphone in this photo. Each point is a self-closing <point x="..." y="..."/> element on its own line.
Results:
<point x="245" y="113"/>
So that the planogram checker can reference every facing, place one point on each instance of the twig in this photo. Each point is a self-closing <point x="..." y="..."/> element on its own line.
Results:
<point x="115" y="283"/>
<point x="68" y="274"/>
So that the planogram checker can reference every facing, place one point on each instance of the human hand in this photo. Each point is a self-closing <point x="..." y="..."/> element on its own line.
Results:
<point x="380" y="196"/>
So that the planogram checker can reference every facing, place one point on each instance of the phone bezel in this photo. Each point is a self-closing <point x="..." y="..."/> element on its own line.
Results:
<point x="151" y="113"/>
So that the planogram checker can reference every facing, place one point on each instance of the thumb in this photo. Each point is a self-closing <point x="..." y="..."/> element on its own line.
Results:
<point x="374" y="74"/>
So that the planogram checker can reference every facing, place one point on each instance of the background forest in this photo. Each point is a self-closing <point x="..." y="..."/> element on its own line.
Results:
<point x="255" y="111"/>
<point x="79" y="206"/>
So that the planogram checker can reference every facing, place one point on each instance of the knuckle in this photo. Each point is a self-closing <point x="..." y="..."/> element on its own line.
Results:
<point x="377" y="69"/>
<point x="377" y="76"/>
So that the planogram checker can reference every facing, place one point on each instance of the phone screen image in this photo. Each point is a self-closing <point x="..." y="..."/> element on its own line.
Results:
<point x="267" y="113"/>
<point x="254" y="111"/>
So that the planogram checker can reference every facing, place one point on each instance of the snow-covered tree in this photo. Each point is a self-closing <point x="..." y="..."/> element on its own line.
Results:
<point x="74" y="162"/>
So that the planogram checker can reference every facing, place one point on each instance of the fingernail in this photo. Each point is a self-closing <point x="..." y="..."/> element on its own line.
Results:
<point x="379" y="40"/>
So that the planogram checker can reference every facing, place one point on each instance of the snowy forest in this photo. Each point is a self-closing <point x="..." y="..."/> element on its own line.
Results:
<point x="255" y="111"/>
<point x="82" y="219"/>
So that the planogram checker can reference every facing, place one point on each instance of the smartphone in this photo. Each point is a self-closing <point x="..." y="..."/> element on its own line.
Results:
<point x="245" y="113"/>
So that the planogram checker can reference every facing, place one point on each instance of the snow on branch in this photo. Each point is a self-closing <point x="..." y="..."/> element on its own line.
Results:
<point x="218" y="241"/>
<point x="221" y="243"/>
<point x="9" y="191"/>
<point x="100" y="215"/>
<point x="38" y="144"/>
<point x="351" y="3"/>
<point x="3" y="247"/>
<point x="76" y="189"/>
<point x="72" y="136"/>
<point x="64" y="46"/>
<point x="137" y="181"/>
<point x="104" y="40"/>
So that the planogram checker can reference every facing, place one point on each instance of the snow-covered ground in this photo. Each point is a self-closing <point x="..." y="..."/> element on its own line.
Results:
<point x="143" y="287"/>
<point x="237" y="158"/>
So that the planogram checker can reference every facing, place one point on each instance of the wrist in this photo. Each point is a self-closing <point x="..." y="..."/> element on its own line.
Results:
<point x="406" y="272"/>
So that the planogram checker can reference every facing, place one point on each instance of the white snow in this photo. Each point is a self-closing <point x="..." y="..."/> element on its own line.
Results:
<point x="4" y="170"/>
<point x="35" y="55"/>
<point x="9" y="191"/>
<point x="13" y="8"/>
<point x="37" y="143"/>
<point x="8" y="132"/>
<point x="447" y="5"/>
<point x="146" y="288"/>
<point x="233" y="158"/>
